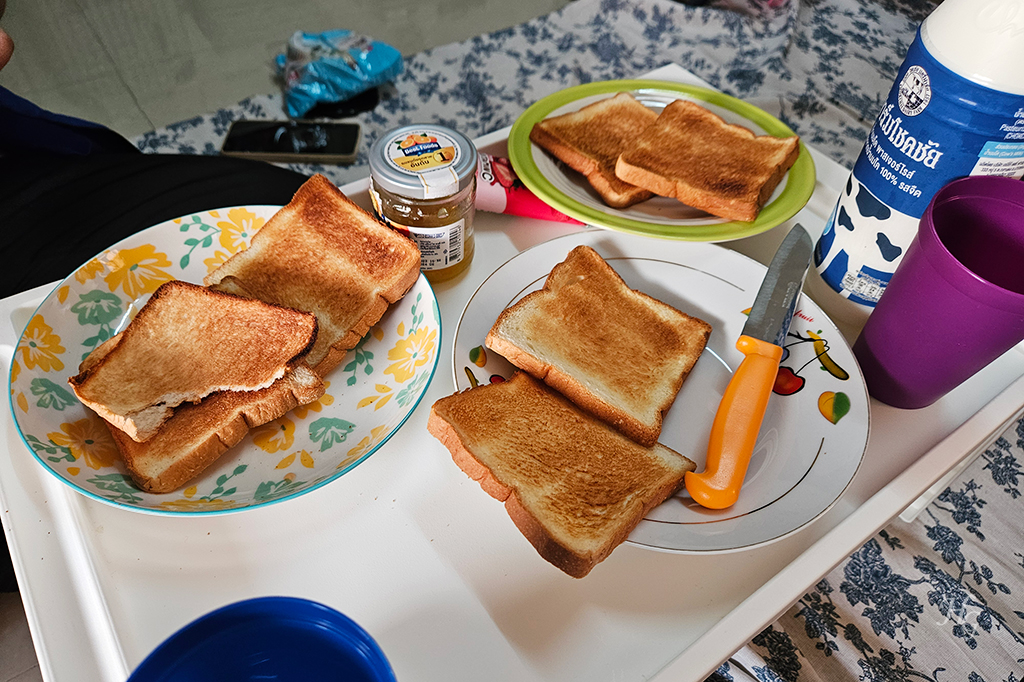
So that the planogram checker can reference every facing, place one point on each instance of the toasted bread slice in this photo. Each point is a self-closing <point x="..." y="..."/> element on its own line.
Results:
<point x="613" y="351"/>
<point x="691" y="154"/>
<point x="323" y="254"/>
<point x="198" y="434"/>
<point x="590" y="141"/>
<point x="186" y="343"/>
<point x="574" y="486"/>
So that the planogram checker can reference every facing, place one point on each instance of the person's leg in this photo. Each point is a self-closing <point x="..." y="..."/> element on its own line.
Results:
<point x="58" y="212"/>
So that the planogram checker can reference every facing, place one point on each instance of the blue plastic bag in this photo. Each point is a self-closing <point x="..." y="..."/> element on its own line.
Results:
<point x="333" y="66"/>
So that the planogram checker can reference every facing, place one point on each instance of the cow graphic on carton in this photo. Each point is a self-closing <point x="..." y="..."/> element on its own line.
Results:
<point x="862" y="269"/>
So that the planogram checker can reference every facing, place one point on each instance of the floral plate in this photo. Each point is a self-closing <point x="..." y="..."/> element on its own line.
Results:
<point x="368" y="396"/>
<point x="815" y="430"/>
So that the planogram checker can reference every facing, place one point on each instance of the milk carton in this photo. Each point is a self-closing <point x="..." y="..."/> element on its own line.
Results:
<point x="955" y="109"/>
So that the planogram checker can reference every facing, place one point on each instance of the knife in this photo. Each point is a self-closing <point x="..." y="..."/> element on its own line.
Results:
<point x="738" y="420"/>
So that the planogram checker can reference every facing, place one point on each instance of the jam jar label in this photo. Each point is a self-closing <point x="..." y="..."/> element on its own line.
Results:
<point x="440" y="247"/>
<point x="431" y="155"/>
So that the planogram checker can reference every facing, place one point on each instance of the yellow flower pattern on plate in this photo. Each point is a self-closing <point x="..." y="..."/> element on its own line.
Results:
<point x="218" y="259"/>
<point x="275" y="436"/>
<point x="235" y="234"/>
<point x="384" y="395"/>
<point x="238" y="229"/>
<point x="89" y="440"/>
<point x="39" y="346"/>
<point x="366" y="444"/>
<point x="89" y="270"/>
<point x="303" y="456"/>
<point x="19" y="396"/>
<point x="200" y="505"/>
<point x="138" y="271"/>
<point x="411" y="353"/>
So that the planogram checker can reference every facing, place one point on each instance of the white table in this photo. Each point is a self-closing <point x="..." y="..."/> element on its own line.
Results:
<point x="409" y="547"/>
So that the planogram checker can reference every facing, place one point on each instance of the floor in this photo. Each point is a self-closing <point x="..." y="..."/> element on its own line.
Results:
<point x="136" y="65"/>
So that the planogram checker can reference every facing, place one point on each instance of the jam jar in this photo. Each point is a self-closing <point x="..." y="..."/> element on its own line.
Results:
<point x="423" y="184"/>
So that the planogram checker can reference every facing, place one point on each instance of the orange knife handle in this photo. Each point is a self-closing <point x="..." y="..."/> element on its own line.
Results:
<point x="737" y="423"/>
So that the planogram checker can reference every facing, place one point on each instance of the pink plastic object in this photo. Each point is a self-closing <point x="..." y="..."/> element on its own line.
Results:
<point x="956" y="301"/>
<point x="499" y="190"/>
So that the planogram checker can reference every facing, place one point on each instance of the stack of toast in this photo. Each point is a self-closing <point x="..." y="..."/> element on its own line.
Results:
<point x="191" y="374"/>
<point x="590" y="141"/>
<point x="323" y="254"/>
<point x="569" y="443"/>
<point x="686" y="152"/>
<point x="200" y="366"/>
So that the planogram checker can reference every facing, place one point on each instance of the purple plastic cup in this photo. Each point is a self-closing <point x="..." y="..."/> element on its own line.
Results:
<point x="956" y="301"/>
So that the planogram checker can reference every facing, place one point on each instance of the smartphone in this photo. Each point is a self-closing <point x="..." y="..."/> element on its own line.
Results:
<point x="364" y="101"/>
<point x="293" y="141"/>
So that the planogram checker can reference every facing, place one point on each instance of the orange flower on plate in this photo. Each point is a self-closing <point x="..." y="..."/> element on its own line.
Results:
<point x="39" y="346"/>
<point x="87" y="439"/>
<point x="138" y="271"/>
<point x="275" y="436"/>
<point x="411" y="352"/>
<point x="238" y="229"/>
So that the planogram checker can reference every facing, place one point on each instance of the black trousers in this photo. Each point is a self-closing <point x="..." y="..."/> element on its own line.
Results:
<point x="57" y="212"/>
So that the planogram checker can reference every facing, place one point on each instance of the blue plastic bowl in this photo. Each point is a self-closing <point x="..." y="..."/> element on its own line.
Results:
<point x="269" y="638"/>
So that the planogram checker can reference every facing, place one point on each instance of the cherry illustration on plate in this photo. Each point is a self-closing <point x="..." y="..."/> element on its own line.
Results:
<point x="787" y="382"/>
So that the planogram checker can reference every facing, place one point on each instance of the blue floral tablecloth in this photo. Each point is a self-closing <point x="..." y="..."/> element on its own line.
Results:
<point x="824" y="67"/>
<point x="935" y="600"/>
<point x="940" y="599"/>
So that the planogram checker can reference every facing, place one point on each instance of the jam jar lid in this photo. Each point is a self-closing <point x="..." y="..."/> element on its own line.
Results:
<point x="423" y="161"/>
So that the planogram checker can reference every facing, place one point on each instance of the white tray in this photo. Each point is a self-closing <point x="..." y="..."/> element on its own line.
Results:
<point x="409" y="547"/>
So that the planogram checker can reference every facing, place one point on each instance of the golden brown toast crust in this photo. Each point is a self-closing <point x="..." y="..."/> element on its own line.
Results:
<point x="198" y="434"/>
<point x="614" y="351"/>
<point x="326" y="255"/>
<point x="572" y="485"/>
<point x="186" y="343"/>
<point x="591" y="139"/>
<point x="693" y="155"/>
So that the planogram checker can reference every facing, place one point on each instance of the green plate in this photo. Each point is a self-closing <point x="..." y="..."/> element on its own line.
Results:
<point x="569" y="191"/>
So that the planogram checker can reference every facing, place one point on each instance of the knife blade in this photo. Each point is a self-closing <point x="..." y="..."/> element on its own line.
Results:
<point x="741" y="411"/>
